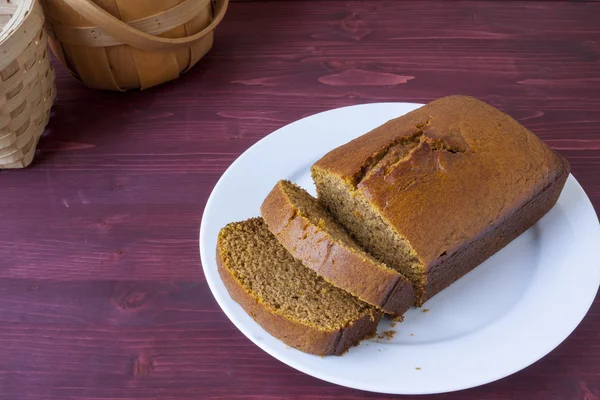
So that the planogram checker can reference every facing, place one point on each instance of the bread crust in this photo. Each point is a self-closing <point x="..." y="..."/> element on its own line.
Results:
<point x="294" y="333"/>
<point x="447" y="270"/>
<point x="472" y="181"/>
<point x="338" y="264"/>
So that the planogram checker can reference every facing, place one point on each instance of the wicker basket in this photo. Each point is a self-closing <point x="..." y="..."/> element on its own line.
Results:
<point x="130" y="44"/>
<point x="26" y="81"/>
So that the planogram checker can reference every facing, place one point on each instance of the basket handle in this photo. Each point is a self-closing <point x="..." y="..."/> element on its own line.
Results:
<point x="136" y="38"/>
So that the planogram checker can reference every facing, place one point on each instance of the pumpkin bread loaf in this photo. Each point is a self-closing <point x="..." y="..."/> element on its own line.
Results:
<point x="288" y="300"/>
<point x="437" y="191"/>
<point x="305" y="228"/>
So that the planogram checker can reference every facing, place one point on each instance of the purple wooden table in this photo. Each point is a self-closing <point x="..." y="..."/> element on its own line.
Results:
<point x="102" y="294"/>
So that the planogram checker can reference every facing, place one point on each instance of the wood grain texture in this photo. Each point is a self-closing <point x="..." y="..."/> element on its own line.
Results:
<point x="102" y="294"/>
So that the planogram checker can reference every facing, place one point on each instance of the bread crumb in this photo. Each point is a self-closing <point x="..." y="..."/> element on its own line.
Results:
<point x="412" y="334"/>
<point x="418" y="368"/>
<point x="379" y="350"/>
<point x="398" y="318"/>
<point x="394" y="324"/>
<point x="287" y="347"/>
<point x="387" y="335"/>
<point x="426" y="310"/>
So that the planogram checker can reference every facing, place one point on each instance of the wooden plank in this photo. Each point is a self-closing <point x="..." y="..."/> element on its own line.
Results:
<point x="117" y="303"/>
<point x="98" y="242"/>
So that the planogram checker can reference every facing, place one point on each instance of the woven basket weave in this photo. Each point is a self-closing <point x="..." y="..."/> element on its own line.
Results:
<point x="131" y="44"/>
<point x="26" y="81"/>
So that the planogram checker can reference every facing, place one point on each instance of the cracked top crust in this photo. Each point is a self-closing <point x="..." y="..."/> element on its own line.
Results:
<point x="422" y="171"/>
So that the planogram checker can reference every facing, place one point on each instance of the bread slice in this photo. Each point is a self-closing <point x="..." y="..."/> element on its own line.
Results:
<point x="310" y="234"/>
<point x="437" y="191"/>
<point x="288" y="300"/>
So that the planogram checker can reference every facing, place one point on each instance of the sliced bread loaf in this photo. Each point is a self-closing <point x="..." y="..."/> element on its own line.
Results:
<point x="288" y="300"/>
<point x="437" y="191"/>
<point x="310" y="234"/>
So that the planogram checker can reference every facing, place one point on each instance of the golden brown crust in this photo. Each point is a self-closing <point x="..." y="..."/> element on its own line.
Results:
<point x="293" y="333"/>
<point x="338" y="264"/>
<point x="473" y="166"/>
<point x="448" y="270"/>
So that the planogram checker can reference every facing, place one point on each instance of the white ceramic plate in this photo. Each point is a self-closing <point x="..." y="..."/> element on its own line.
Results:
<point x="506" y="314"/>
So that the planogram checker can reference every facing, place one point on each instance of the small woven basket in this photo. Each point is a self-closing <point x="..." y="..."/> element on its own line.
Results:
<point x="26" y="81"/>
<point x="131" y="44"/>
